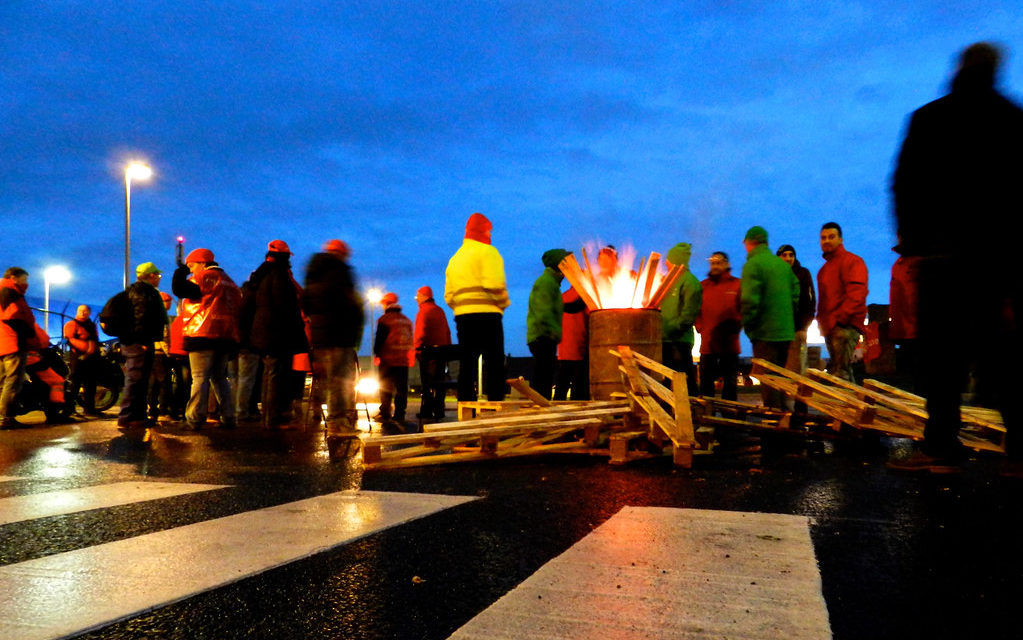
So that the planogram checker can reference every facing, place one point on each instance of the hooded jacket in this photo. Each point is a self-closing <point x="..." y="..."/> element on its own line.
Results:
<point x="770" y="294"/>
<point x="474" y="280"/>
<point x="271" y="315"/>
<point x="807" y="306"/>
<point x="17" y="324"/>
<point x="543" y="318"/>
<point x="149" y="314"/>
<point x="431" y="326"/>
<point x="574" y="343"/>
<point x="841" y="291"/>
<point x="680" y="308"/>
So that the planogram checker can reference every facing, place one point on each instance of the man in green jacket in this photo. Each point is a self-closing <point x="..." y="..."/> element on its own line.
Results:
<point x="678" y="313"/>
<point x="543" y="321"/>
<point x="769" y="295"/>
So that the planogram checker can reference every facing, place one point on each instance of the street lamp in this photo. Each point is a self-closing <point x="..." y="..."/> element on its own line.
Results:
<point x="56" y="274"/>
<point x="134" y="171"/>
<point x="373" y="297"/>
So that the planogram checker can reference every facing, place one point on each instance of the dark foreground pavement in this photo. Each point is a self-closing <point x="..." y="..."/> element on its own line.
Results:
<point x="901" y="556"/>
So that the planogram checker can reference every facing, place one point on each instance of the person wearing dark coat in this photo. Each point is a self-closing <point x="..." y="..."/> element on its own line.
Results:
<point x="432" y="333"/>
<point x="394" y="351"/>
<point x="137" y="346"/>
<point x="272" y="318"/>
<point x="543" y="321"/>
<point x="334" y="308"/>
<point x="805" y="310"/>
<point x="957" y="188"/>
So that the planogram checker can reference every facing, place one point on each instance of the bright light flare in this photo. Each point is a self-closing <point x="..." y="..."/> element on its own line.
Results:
<point x="138" y="171"/>
<point x="57" y="274"/>
<point x="621" y="285"/>
<point x="367" y="386"/>
<point x="374" y="295"/>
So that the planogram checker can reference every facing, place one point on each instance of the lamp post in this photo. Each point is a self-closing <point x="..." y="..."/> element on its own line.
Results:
<point x="134" y="171"/>
<point x="373" y="297"/>
<point x="52" y="275"/>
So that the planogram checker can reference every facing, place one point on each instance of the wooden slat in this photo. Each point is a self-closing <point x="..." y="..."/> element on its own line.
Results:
<point x="651" y="273"/>
<point x="569" y="267"/>
<point x="863" y="393"/>
<point x="865" y="411"/>
<point x="665" y="286"/>
<point x="520" y="385"/>
<point x="550" y="416"/>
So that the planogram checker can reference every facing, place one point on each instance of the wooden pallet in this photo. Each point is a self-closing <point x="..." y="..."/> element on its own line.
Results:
<point x="876" y="407"/>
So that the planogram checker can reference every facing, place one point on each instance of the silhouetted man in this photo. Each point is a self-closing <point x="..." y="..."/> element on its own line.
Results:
<point x="958" y="190"/>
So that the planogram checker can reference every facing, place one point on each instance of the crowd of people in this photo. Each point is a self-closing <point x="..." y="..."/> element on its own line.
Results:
<point x="955" y="182"/>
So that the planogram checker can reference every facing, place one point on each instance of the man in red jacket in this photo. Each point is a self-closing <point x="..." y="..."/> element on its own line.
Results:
<point x="432" y="331"/>
<point x="394" y="349"/>
<point x="719" y="323"/>
<point x="573" y="350"/>
<point x="17" y="329"/>
<point x="841" y="300"/>
<point x="83" y="339"/>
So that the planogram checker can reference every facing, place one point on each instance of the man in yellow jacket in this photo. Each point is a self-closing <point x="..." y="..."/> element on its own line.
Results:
<point x="477" y="293"/>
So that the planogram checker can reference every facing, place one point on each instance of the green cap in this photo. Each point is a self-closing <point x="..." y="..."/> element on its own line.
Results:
<point x="145" y="269"/>
<point x="756" y="234"/>
<point x="554" y="257"/>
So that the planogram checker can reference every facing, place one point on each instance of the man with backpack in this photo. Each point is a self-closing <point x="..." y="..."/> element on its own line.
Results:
<point x="137" y="317"/>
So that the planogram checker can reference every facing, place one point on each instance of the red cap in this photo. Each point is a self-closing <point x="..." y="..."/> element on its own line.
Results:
<point x="339" y="247"/>
<point x="279" y="246"/>
<point x="423" y="293"/>
<point x="389" y="299"/>
<point x="478" y="228"/>
<point x="199" y="255"/>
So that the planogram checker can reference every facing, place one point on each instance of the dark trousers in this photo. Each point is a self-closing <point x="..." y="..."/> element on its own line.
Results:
<point x="159" y="386"/>
<point x="431" y="375"/>
<point x="574" y="375"/>
<point x="180" y="375"/>
<point x="83" y="372"/>
<point x="545" y="355"/>
<point x="679" y="356"/>
<point x="277" y="389"/>
<point x="719" y="365"/>
<point x="979" y="334"/>
<point x="480" y="334"/>
<point x="393" y="386"/>
<point x="775" y="353"/>
<point x="138" y="364"/>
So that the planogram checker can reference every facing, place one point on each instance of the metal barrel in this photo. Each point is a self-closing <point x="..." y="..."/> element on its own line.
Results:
<point x="639" y="329"/>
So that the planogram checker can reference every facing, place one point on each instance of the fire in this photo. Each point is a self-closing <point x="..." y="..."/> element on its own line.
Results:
<point x="611" y="282"/>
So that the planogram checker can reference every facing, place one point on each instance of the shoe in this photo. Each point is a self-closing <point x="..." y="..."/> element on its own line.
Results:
<point x="921" y="462"/>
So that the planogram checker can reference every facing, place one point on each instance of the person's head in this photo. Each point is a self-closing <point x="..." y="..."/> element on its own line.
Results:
<point x="278" y="251"/>
<point x="424" y="294"/>
<point x="719" y="263"/>
<point x="787" y="253"/>
<point x="148" y="273"/>
<point x="679" y="255"/>
<point x="18" y="275"/>
<point x="607" y="261"/>
<point x="83" y="312"/>
<point x="755" y="236"/>
<point x="197" y="259"/>
<point x="478" y="228"/>
<point x="552" y="258"/>
<point x="337" y="248"/>
<point x="389" y="300"/>
<point x="831" y="237"/>
<point x="979" y="63"/>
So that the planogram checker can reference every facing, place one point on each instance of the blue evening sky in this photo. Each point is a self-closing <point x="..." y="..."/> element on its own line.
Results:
<point x="386" y="124"/>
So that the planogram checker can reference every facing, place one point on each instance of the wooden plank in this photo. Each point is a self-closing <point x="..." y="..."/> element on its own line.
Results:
<point x="976" y="415"/>
<point x="665" y="286"/>
<point x="683" y="413"/>
<point x="864" y="393"/>
<point x="448" y="458"/>
<point x="651" y="273"/>
<point x="653" y="365"/>
<point x="865" y="410"/>
<point x="593" y="281"/>
<point x="463" y="435"/>
<point x="635" y="286"/>
<point x="520" y="385"/>
<point x="569" y="267"/>
<point x="546" y="417"/>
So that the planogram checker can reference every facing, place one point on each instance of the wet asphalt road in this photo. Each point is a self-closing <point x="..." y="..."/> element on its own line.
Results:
<point x="901" y="556"/>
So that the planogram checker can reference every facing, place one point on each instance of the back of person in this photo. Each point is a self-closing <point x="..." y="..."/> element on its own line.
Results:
<point x="398" y="347"/>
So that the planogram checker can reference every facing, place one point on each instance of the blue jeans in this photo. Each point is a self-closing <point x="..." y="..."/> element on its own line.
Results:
<point x="138" y="364"/>
<point x="209" y="368"/>
<point x="841" y="343"/>
<point x="245" y="386"/>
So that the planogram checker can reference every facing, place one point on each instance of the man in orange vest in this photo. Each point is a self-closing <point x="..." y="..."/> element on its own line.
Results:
<point x="394" y="351"/>
<point x="83" y="338"/>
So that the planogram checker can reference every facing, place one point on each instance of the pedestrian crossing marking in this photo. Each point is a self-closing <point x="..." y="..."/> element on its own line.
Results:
<point x="10" y="478"/>
<point x="663" y="574"/>
<point x="55" y="503"/>
<point x="74" y="592"/>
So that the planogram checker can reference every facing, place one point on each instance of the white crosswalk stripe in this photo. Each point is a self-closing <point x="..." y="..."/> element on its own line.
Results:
<point x="54" y="503"/>
<point x="663" y="574"/>
<point x="10" y="478"/>
<point x="74" y="592"/>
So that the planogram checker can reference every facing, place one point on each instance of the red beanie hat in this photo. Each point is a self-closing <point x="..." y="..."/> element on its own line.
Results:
<point x="339" y="247"/>
<point x="478" y="228"/>
<point x="199" y="255"/>
<point x="279" y="246"/>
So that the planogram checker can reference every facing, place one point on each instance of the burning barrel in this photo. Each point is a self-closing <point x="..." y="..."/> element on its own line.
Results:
<point x="639" y="329"/>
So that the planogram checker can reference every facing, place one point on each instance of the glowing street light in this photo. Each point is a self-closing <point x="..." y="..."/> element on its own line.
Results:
<point x="134" y="171"/>
<point x="56" y="274"/>
<point x="373" y="297"/>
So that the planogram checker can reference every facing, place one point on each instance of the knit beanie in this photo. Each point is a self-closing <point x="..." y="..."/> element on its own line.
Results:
<point x="679" y="254"/>
<point x="199" y="255"/>
<point x="785" y="247"/>
<point x="756" y="234"/>
<point x="477" y="227"/>
<point x="554" y="257"/>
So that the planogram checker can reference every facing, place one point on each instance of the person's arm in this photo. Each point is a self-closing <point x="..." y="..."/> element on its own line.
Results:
<point x="182" y="287"/>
